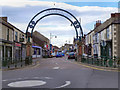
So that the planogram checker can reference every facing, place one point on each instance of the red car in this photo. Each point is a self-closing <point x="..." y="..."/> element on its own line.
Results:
<point x="71" y="55"/>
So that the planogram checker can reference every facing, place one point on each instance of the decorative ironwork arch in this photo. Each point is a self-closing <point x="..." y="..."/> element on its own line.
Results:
<point x="55" y="11"/>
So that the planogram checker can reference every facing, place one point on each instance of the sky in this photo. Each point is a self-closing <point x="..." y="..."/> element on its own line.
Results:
<point x="20" y="12"/>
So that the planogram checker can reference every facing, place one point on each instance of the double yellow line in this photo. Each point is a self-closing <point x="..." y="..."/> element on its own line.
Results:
<point x="92" y="67"/>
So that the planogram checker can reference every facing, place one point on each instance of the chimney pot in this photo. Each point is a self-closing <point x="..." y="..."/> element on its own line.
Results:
<point x="115" y="15"/>
<point x="4" y="18"/>
<point x="98" y="22"/>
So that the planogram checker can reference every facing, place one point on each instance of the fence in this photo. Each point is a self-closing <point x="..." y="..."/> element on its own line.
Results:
<point x="15" y="62"/>
<point x="102" y="61"/>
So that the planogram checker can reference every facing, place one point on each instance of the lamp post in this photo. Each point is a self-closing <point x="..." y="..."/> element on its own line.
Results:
<point x="51" y="36"/>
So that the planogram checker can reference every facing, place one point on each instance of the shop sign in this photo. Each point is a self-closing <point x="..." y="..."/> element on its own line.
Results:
<point x="17" y="44"/>
<point x="45" y="46"/>
<point x="8" y="44"/>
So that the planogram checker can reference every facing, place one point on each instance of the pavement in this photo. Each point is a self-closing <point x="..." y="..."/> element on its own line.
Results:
<point x="59" y="73"/>
<point x="12" y="67"/>
<point x="98" y="67"/>
<point x="37" y="60"/>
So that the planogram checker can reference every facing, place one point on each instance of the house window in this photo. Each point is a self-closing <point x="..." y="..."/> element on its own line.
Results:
<point x="108" y="33"/>
<point x="22" y="36"/>
<point x="90" y="39"/>
<point x="8" y="34"/>
<point x="16" y="36"/>
<point x="12" y="35"/>
<point x="96" y="38"/>
<point x="19" y="36"/>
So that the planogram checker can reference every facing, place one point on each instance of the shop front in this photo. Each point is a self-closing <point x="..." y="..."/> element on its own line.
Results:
<point x="37" y="51"/>
<point x="6" y="52"/>
<point x="23" y="51"/>
<point x="17" y="51"/>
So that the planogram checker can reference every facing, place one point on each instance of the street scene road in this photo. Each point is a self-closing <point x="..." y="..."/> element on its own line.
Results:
<point x="59" y="73"/>
<point x="57" y="44"/>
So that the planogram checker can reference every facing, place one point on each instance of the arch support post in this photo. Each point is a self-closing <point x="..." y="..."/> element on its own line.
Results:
<point x="28" y="59"/>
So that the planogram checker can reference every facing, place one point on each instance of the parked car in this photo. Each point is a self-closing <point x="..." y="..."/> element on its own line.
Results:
<point x="59" y="54"/>
<point x="84" y="55"/>
<point x="71" y="55"/>
<point x="67" y="53"/>
<point x="63" y="54"/>
<point x="53" y="54"/>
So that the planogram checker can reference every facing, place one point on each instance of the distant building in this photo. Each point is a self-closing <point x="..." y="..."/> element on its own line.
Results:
<point x="55" y="49"/>
<point x="68" y="47"/>
<point x="40" y="44"/>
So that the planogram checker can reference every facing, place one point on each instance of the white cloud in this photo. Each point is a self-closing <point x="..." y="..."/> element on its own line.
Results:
<point x="19" y="3"/>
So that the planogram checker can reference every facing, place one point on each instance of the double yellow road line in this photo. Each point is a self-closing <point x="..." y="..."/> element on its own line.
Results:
<point x="94" y="67"/>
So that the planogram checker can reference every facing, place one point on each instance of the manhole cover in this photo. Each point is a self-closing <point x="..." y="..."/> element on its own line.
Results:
<point x="27" y="83"/>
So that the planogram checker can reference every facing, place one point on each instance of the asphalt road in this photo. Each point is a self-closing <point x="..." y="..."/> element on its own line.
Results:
<point x="59" y="73"/>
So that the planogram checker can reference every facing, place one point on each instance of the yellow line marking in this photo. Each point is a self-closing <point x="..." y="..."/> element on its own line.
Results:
<point x="96" y="67"/>
<point x="24" y="67"/>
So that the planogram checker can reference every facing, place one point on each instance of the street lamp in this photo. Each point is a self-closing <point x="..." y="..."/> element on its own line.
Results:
<point x="51" y="36"/>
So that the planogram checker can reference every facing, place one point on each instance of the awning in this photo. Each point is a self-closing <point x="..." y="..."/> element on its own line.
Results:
<point x="36" y="47"/>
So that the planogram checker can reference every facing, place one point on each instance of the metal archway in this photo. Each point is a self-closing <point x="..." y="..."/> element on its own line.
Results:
<point x="55" y="11"/>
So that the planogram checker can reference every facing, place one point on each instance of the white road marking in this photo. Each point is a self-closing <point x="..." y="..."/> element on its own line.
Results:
<point x="42" y="78"/>
<point x="55" y="67"/>
<point x="4" y="80"/>
<point x="36" y="77"/>
<point x="67" y="83"/>
<point x="19" y="78"/>
<point x="25" y="78"/>
<point x="27" y="83"/>
<point x="48" y="78"/>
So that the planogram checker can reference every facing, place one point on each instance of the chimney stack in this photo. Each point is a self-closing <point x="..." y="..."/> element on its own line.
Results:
<point x="4" y="18"/>
<point x="115" y="15"/>
<point x="98" y="23"/>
